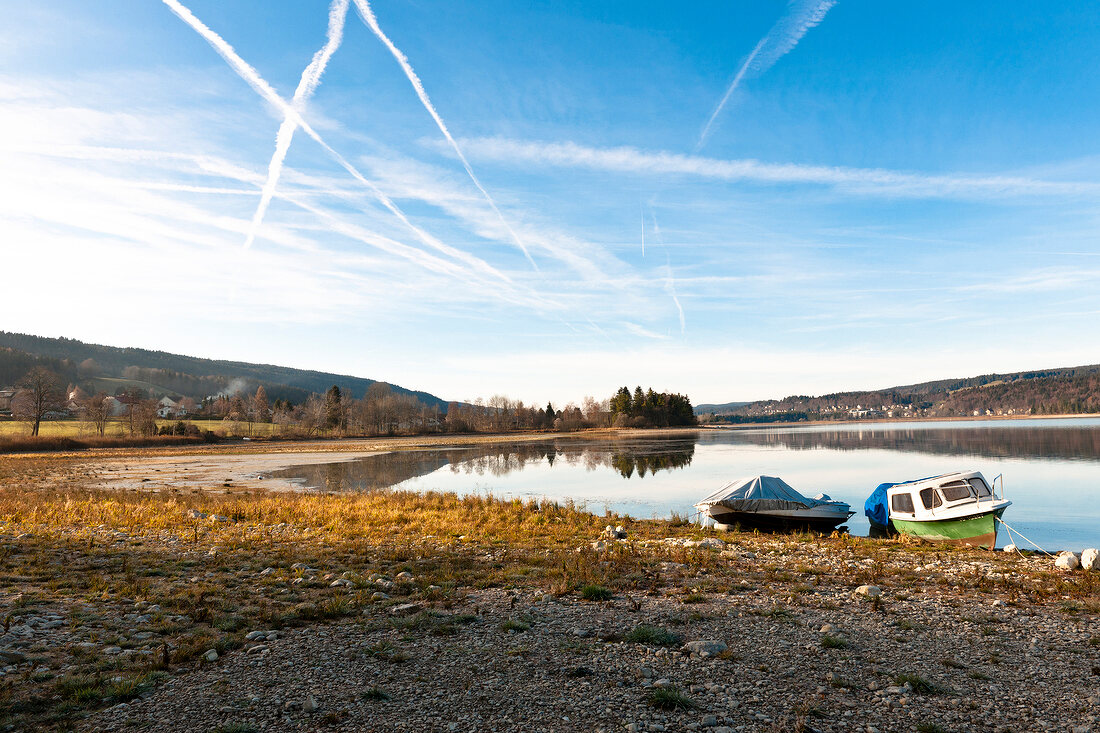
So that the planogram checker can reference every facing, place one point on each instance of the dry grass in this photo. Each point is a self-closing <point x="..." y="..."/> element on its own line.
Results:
<point x="99" y="558"/>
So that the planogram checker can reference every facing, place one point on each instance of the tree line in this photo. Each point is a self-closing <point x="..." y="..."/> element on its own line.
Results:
<point x="381" y="411"/>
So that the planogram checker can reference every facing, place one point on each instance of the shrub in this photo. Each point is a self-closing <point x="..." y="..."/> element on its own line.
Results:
<point x="670" y="698"/>
<point x="596" y="593"/>
<point x="654" y="635"/>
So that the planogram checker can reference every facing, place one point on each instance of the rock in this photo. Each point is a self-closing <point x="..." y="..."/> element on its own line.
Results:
<point x="310" y="705"/>
<point x="645" y="673"/>
<point x="267" y="571"/>
<point x="196" y="514"/>
<point x="405" y="609"/>
<point x="341" y="583"/>
<point x="1010" y="548"/>
<point x="707" y="543"/>
<point x="997" y="602"/>
<point x="827" y="629"/>
<point x="7" y="656"/>
<point x="218" y="518"/>
<point x="1090" y="559"/>
<point x="255" y="636"/>
<point x="1066" y="561"/>
<point x="303" y="567"/>
<point x="378" y="596"/>
<point x="582" y="633"/>
<point x="709" y="721"/>
<point x="113" y="650"/>
<point x="211" y="655"/>
<point x="662" y="683"/>
<point x="705" y="647"/>
<point x="258" y="649"/>
<point x="406" y="577"/>
<point x="869" y="591"/>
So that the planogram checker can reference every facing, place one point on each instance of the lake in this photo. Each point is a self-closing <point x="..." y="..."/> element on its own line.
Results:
<point x="1051" y="468"/>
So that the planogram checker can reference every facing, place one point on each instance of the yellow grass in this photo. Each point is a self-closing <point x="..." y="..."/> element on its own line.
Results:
<point x="119" y="427"/>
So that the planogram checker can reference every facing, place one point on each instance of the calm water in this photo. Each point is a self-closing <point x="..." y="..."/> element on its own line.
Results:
<point x="1051" y="469"/>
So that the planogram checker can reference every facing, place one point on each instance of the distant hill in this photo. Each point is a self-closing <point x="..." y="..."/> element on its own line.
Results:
<point x="722" y="409"/>
<point x="1063" y="390"/>
<point x="163" y="373"/>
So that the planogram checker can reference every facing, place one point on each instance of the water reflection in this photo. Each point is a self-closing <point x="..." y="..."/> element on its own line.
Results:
<point x="1014" y="441"/>
<point x="629" y="458"/>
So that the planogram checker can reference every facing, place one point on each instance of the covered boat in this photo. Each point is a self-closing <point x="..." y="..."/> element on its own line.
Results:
<point x="768" y="502"/>
<point x="958" y="508"/>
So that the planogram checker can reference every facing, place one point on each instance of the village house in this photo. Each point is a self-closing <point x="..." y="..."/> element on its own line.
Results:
<point x="6" y="396"/>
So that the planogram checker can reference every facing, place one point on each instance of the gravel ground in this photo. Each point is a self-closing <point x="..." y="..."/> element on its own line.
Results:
<point x="825" y="658"/>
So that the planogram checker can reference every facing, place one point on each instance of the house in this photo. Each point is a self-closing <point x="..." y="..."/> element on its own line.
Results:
<point x="6" y="396"/>
<point x="167" y="407"/>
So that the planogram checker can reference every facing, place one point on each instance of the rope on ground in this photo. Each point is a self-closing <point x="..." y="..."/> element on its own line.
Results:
<point x="1011" y="530"/>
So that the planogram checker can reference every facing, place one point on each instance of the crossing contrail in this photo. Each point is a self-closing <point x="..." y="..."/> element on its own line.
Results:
<point x="363" y="6"/>
<point x="311" y="77"/>
<point x="265" y="90"/>
<point x="801" y="16"/>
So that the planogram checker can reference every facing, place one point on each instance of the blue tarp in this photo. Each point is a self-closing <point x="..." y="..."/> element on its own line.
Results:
<point x="876" y="507"/>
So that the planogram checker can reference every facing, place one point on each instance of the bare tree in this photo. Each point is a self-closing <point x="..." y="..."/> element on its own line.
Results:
<point x="96" y="411"/>
<point x="43" y="393"/>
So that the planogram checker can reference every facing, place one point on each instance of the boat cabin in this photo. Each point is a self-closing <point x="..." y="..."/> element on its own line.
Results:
<point x="939" y="495"/>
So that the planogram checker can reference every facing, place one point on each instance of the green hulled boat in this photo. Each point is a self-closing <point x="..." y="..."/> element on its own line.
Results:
<point x="957" y="508"/>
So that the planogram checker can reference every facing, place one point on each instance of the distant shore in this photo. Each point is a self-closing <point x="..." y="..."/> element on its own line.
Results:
<point x="897" y="420"/>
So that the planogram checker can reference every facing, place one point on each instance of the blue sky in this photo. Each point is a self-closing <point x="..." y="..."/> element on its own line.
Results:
<point x="731" y="200"/>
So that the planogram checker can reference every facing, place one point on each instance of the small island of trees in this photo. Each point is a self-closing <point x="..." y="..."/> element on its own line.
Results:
<point x="650" y="409"/>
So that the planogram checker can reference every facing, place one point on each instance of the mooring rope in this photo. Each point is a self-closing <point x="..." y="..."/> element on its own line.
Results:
<point x="1011" y="530"/>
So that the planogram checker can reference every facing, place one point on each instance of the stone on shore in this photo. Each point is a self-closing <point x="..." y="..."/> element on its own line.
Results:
<point x="869" y="591"/>
<point x="1066" y="561"/>
<point x="705" y="647"/>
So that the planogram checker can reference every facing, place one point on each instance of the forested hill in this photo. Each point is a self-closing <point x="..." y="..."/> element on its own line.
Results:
<point x="160" y="371"/>
<point x="1066" y="390"/>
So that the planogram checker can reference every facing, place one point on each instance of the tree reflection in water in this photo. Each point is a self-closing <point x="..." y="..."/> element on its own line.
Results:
<point x="987" y="441"/>
<point x="629" y="457"/>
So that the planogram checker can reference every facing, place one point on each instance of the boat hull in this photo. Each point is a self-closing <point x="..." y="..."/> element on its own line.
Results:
<point x="978" y="530"/>
<point x="776" y="522"/>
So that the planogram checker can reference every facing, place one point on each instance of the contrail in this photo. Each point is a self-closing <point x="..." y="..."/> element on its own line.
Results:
<point x="643" y="232"/>
<point x="729" y="93"/>
<point x="801" y="16"/>
<point x="670" y="283"/>
<point x="311" y="77"/>
<point x="363" y="6"/>
<point x="257" y="82"/>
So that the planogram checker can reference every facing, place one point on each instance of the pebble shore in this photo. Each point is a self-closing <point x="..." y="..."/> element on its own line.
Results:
<point x="824" y="657"/>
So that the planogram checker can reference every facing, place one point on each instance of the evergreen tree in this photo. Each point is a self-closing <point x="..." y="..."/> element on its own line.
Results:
<point x="334" y="412"/>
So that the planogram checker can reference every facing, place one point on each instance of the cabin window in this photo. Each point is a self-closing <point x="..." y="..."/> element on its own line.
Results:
<point x="930" y="498"/>
<point x="980" y="487"/>
<point x="956" y="491"/>
<point x="902" y="503"/>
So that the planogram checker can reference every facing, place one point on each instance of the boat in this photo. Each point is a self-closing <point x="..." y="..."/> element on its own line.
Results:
<point x="768" y="502"/>
<point x="959" y="508"/>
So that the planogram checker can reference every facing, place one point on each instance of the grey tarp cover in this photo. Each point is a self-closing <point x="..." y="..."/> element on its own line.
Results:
<point x="759" y="493"/>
